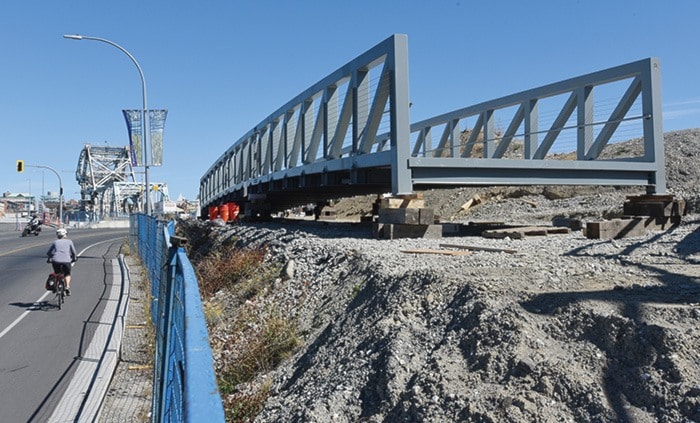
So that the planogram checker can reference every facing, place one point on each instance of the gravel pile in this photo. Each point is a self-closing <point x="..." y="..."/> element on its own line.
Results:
<point x="563" y="328"/>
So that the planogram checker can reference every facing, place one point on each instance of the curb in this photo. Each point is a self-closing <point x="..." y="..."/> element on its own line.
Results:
<point x="82" y="400"/>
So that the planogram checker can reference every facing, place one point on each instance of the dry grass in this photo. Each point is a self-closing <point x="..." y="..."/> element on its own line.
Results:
<point x="232" y="267"/>
<point x="258" y="344"/>
<point x="262" y="342"/>
<point x="243" y="407"/>
<point x="251" y="340"/>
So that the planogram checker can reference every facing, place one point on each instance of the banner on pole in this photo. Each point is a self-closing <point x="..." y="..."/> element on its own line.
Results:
<point x="133" y="125"/>
<point x="157" y="123"/>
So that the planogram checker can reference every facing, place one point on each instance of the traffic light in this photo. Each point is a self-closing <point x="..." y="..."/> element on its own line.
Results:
<point x="20" y="166"/>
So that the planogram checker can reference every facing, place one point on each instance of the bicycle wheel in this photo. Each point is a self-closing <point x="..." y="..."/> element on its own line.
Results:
<point x="60" y="292"/>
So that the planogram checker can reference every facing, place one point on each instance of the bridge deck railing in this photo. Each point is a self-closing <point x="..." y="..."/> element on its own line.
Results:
<point x="520" y="138"/>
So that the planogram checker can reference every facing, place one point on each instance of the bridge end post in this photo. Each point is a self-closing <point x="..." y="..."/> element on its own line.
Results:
<point x="401" y="180"/>
<point x="653" y="125"/>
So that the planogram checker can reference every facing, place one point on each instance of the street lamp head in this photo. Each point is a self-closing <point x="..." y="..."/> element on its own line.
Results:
<point x="73" y="37"/>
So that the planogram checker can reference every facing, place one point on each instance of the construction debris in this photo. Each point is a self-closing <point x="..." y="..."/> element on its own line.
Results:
<point x="476" y="199"/>
<point x="405" y="216"/>
<point x="432" y="251"/>
<point x="478" y="248"/>
<point x="397" y="230"/>
<point x="522" y="232"/>
<point x="642" y="213"/>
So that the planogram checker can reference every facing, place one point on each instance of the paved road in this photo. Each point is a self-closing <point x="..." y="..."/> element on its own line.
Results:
<point x="43" y="350"/>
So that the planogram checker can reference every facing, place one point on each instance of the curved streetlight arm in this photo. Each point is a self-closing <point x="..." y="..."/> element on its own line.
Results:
<point x="123" y="50"/>
<point x="144" y="111"/>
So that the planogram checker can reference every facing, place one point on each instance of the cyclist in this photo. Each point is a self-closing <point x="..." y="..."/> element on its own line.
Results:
<point x="62" y="255"/>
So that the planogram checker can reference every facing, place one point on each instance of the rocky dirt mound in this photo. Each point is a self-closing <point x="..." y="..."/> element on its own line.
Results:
<point x="563" y="329"/>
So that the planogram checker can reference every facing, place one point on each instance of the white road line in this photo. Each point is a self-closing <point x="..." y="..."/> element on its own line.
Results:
<point x="22" y="316"/>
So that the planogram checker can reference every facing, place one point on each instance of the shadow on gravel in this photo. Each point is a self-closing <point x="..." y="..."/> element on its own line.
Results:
<point x="632" y="345"/>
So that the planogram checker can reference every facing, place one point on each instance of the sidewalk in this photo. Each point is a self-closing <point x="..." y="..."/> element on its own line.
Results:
<point x="128" y="398"/>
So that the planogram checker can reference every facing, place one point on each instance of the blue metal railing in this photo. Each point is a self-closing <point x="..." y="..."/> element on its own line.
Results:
<point x="184" y="383"/>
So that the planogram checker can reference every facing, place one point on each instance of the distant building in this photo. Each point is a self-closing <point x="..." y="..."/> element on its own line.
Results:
<point x="19" y="202"/>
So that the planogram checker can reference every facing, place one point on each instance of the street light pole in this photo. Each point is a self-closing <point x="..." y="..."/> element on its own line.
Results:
<point x="60" y="193"/>
<point x="144" y="133"/>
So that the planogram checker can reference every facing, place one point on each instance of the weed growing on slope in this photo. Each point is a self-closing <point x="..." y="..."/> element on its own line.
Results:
<point x="228" y="268"/>
<point x="248" y="338"/>
<point x="262" y="342"/>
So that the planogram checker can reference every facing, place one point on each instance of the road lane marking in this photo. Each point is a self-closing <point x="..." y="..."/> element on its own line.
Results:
<point x="23" y="315"/>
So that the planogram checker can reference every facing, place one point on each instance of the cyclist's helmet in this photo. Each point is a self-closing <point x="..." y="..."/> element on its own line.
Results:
<point x="60" y="232"/>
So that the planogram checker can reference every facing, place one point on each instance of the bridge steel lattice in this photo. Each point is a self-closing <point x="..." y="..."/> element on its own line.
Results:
<point x="108" y="185"/>
<point x="350" y="134"/>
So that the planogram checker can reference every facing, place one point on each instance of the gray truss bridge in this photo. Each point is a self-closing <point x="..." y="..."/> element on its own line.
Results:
<point x="108" y="186"/>
<point x="350" y="133"/>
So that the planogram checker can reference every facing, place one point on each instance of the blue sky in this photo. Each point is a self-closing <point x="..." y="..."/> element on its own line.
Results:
<point x="220" y="67"/>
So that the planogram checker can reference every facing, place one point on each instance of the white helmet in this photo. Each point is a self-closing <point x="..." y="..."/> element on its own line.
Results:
<point x="60" y="232"/>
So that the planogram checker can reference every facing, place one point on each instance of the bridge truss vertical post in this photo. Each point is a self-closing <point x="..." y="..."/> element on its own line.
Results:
<point x="653" y="126"/>
<point x="401" y="178"/>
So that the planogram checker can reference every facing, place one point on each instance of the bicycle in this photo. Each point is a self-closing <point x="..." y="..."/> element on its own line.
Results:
<point x="56" y="283"/>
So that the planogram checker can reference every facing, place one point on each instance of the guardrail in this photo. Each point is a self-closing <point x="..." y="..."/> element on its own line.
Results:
<point x="184" y="383"/>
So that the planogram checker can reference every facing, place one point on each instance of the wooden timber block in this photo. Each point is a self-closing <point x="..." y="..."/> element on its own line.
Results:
<point x="411" y="216"/>
<point x="408" y="201"/>
<point x="654" y="205"/>
<point x="396" y="231"/>
<point x="522" y="232"/>
<point x="660" y="223"/>
<point x="567" y="222"/>
<point x="616" y="228"/>
<point x="328" y="213"/>
<point x="651" y="197"/>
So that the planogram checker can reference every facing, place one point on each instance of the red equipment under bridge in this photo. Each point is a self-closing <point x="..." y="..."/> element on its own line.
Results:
<point x="350" y="134"/>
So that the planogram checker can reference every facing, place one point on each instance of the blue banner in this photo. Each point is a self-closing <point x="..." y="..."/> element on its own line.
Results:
<point x="157" y="123"/>
<point x="133" y="125"/>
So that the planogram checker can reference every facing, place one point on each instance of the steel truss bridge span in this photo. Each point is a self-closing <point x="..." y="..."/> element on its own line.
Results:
<point x="350" y="134"/>
<point x="108" y="186"/>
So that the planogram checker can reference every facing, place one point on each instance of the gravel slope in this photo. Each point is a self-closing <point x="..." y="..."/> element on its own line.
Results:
<point x="564" y="329"/>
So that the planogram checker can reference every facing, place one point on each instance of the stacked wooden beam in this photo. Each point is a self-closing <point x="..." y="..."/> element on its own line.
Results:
<point x="406" y="216"/>
<point x="642" y="213"/>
